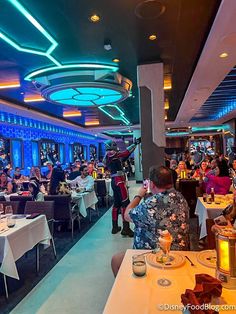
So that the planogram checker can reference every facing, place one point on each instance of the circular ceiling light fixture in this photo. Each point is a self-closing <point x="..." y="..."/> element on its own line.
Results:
<point x="82" y="88"/>
<point x="94" y="18"/>
<point x="152" y="37"/>
<point x="149" y="9"/>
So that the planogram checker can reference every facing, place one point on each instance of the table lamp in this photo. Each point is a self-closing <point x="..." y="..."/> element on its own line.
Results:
<point x="226" y="257"/>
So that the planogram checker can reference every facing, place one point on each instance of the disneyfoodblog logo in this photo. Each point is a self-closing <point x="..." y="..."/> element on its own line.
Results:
<point x="193" y="307"/>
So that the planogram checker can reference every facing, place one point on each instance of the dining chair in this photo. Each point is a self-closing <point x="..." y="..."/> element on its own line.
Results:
<point x="45" y="208"/>
<point x="63" y="211"/>
<point x="210" y="240"/>
<point x="101" y="190"/>
<point x="22" y="199"/>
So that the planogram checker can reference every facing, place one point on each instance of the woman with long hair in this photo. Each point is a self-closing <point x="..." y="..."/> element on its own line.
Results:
<point x="58" y="175"/>
<point x="34" y="189"/>
<point x="220" y="180"/>
<point x="5" y="185"/>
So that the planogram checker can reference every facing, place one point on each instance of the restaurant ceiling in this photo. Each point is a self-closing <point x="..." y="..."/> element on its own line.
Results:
<point x="40" y="34"/>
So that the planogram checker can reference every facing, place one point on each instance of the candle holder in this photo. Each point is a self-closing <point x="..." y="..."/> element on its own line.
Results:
<point x="226" y="257"/>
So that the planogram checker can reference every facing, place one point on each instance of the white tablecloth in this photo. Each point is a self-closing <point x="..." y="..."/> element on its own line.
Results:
<point x="109" y="188"/>
<point x="204" y="211"/>
<point x="7" y="196"/>
<point x="84" y="201"/>
<point x="132" y="295"/>
<point x="16" y="241"/>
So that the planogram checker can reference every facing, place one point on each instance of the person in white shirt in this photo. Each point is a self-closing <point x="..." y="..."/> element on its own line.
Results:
<point x="84" y="182"/>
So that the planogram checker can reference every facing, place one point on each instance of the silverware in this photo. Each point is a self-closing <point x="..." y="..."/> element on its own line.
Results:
<point x="152" y="252"/>
<point x="191" y="263"/>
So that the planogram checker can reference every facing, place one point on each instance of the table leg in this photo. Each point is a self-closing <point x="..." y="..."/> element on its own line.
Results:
<point x="5" y="285"/>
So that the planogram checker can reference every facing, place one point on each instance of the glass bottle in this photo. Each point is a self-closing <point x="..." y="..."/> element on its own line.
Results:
<point x="212" y="195"/>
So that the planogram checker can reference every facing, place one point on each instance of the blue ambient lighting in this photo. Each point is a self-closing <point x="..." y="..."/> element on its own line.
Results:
<point x="85" y="96"/>
<point x="114" y="112"/>
<point x="95" y="66"/>
<point x="35" y="23"/>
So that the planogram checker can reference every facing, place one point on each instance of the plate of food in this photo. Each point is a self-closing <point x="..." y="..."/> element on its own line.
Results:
<point x="159" y="260"/>
<point x="207" y="258"/>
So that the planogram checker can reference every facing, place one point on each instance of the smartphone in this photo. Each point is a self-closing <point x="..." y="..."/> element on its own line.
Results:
<point x="146" y="185"/>
<point x="33" y="215"/>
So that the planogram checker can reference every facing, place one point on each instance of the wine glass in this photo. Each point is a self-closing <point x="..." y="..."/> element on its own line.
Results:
<point x="165" y="244"/>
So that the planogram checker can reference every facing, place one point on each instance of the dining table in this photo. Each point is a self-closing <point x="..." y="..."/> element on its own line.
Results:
<point x="84" y="200"/>
<point x="16" y="241"/>
<point x="205" y="210"/>
<point x="143" y="295"/>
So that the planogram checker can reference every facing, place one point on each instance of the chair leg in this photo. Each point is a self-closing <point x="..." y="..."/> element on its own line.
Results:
<point x="72" y="229"/>
<point x="37" y="258"/>
<point x="54" y="248"/>
<point x="90" y="215"/>
<point x="5" y="285"/>
<point x="79" y="222"/>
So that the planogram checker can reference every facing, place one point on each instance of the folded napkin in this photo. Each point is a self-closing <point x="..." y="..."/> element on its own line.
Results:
<point x="206" y="287"/>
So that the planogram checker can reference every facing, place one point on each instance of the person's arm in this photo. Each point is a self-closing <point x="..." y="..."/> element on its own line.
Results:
<point x="73" y="182"/>
<point x="137" y="199"/>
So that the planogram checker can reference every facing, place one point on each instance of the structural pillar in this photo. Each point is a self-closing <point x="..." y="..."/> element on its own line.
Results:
<point x="138" y="158"/>
<point x="152" y="117"/>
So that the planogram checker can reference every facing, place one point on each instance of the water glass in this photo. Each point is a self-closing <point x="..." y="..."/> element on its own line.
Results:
<point x="8" y="210"/>
<point x="209" y="200"/>
<point x="139" y="265"/>
<point x="1" y="209"/>
<point x="11" y="221"/>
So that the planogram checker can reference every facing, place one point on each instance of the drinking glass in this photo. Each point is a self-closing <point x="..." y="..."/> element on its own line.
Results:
<point x="11" y="221"/>
<point x="1" y="210"/>
<point x="8" y="210"/>
<point x="204" y="197"/>
<point x="164" y="259"/>
<point x="139" y="265"/>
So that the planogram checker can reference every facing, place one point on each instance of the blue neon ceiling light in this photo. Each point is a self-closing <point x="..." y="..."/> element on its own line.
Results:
<point x="85" y="96"/>
<point x="36" y="24"/>
<point x="34" y="74"/>
<point x="109" y="110"/>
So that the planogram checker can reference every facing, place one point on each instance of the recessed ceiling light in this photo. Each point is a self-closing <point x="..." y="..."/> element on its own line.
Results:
<point x="152" y="37"/>
<point x="224" y="55"/>
<point x="94" y="18"/>
<point x="116" y="60"/>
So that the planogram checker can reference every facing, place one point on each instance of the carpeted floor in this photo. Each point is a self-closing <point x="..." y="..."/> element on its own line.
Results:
<point x="26" y="265"/>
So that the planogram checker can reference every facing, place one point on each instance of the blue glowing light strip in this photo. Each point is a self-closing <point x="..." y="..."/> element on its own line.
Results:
<point x="121" y="117"/>
<point x="39" y="125"/>
<point x="35" y="23"/>
<point x="210" y="128"/>
<point x="31" y="75"/>
<point x="177" y="134"/>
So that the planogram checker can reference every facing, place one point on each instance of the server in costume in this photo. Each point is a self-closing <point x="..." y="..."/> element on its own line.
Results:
<point x="113" y="160"/>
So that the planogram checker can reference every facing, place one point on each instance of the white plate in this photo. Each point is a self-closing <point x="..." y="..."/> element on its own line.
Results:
<point x="207" y="258"/>
<point x="176" y="260"/>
